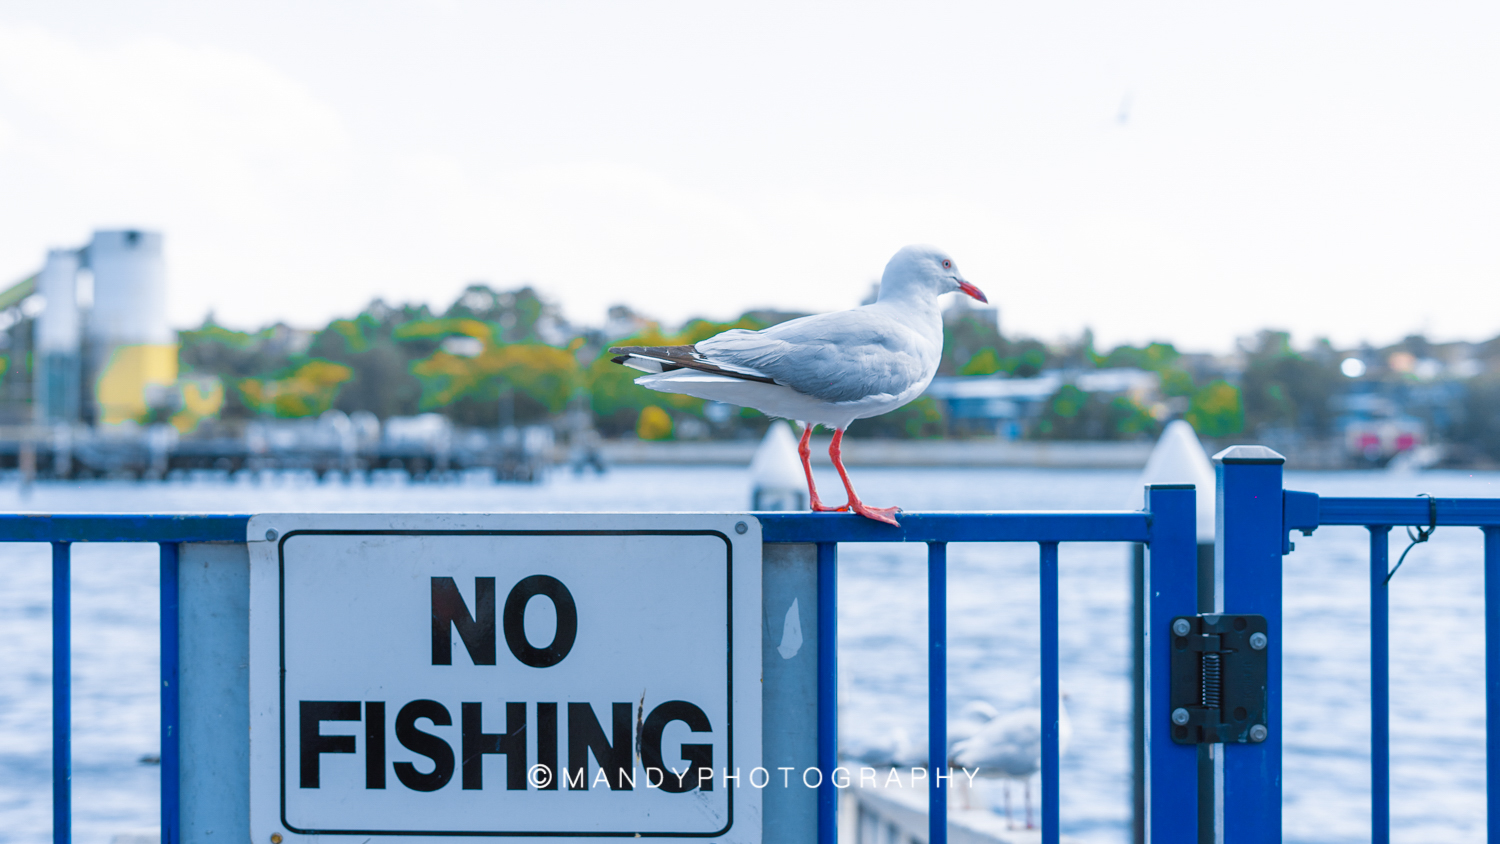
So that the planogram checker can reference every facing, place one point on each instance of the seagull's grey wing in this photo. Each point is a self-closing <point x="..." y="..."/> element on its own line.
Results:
<point x="844" y="356"/>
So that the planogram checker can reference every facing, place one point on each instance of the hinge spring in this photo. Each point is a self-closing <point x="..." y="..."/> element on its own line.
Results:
<point x="1212" y="681"/>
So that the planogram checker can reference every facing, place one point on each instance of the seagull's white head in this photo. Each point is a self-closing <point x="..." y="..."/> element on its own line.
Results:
<point x="925" y="270"/>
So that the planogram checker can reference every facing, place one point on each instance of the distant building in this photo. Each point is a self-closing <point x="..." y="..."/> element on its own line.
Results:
<point x="1003" y="406"/>
<point x="131" y="359"/>
<point x="1379" y="421"/>
<point x="102" y="347"/>
<point x="57" y="379"/>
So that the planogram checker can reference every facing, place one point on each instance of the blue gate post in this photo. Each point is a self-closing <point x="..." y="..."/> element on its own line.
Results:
<point x="1171" y="590"/>
<point x="1248" y="560"/>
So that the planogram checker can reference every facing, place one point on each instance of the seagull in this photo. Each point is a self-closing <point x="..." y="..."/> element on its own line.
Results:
<point x="898" y="748"/>
<point x="827" y="369"/>
<point x="895" y="748"/>
<point x="970" y="720"/>
<point x="1010" y="747"/>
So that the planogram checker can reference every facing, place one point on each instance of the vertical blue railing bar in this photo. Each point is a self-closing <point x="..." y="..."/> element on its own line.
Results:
<point x="1249" y="547"/>
<point x="1380" y="686"/>
<point x="1492" y="678"/>
<point x="828" y="691"/>
<point x="62" y="694"/>
<point x="1171" y="590"/>
<point x="937" y="691"/>
<point x="170" y="699"/>
<point x="1050" y="755"/>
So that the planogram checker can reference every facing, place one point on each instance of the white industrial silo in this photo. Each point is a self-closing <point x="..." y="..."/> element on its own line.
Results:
<point x="132" y="349"/>
<point x="58" y="332"/>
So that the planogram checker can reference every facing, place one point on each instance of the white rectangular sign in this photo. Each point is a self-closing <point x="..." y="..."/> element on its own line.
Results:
<point x="426" y="678"/>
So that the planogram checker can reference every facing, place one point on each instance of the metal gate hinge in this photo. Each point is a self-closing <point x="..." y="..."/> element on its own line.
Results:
<point x="1218" y="678"/>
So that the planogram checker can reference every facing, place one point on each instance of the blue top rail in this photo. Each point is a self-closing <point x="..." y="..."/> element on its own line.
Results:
<point x="121" y="527"/>
<point x="1303" y="511"/>
<point x="1048" y="526"/>
<point x="1451" y="512"/>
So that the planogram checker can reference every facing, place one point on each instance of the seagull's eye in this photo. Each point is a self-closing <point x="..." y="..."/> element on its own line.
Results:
<point x="947" y="264"/>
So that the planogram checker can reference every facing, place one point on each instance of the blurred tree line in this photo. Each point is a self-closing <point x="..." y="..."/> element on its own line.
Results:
<point x="508" y="357"/>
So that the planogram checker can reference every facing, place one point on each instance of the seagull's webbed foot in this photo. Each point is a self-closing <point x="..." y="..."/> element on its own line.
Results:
<point x="879" y="514"/>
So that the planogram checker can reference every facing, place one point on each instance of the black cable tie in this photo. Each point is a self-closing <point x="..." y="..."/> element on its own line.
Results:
<point x="1422" y="535"/>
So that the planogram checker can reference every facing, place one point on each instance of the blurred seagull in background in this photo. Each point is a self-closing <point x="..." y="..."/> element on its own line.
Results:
<point x="827" y="369"/>
<point x="894" y="748"/>
<point x="970" y="720"/>
<point x="1010" y="747"/>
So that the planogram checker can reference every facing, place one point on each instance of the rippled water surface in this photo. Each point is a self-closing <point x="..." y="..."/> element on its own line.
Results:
<point x="1437" y="648"/>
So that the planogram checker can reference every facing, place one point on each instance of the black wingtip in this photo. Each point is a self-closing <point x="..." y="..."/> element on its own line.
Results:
<point x="620" y="359"/>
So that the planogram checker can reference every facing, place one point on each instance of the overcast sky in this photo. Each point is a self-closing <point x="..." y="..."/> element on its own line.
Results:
<point x="1180" y="171"/>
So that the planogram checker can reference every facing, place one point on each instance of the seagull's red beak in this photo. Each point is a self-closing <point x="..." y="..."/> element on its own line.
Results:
<point x="973" y="291"/>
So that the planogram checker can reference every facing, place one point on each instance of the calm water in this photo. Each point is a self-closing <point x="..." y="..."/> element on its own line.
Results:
<point x="1436" y="639"/>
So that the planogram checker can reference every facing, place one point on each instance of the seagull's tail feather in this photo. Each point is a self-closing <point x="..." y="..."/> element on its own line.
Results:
<point x="654" y="360"/>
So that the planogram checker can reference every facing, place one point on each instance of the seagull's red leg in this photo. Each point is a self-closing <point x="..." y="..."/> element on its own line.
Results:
<point x="879" y="514"/>
<point x="814" y="503"/>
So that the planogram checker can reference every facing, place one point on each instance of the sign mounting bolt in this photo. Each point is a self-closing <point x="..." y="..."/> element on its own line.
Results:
<point x="740" y="527"/>
<point x="1258" y="641"/>
<point x="1259" y="732"/>
<point x="1182" y="627"/>
<point x="1180" y="716"/>
<point x="271" y="537"/>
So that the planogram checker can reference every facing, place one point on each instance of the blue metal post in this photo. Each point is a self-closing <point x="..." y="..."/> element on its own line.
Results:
<point x="1492" y="677"/>
<point x="62" y="694"/>
<point x="1171" y="591"/>
<point x="170" y="766"/>
<point x="1248" y="552"/>
<point x="828" y="691"/>
<point x="1380" y="686"/>
<point x="937" y="691"/>
<point x="1050" y="779"/>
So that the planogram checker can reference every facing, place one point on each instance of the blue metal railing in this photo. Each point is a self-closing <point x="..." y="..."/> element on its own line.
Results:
<point x="1306" y="512"/>
<point x="1255" y="517"/>
<point x="1167" y="523"/>
<point x="1166" y="528"/>
<point x="61" y="531"/>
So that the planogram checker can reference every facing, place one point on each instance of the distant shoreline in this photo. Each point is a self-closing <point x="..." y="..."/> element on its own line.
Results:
<point x="858" y="452"/>
<point x="1035" y="454"/>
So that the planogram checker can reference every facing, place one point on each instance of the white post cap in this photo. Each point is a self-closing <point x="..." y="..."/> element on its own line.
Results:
<point x="1180" y="459"/>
